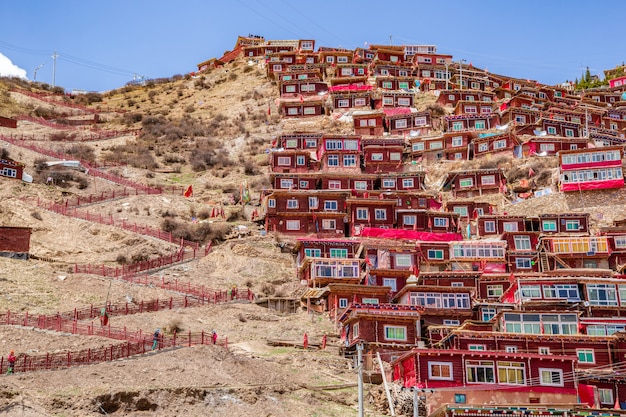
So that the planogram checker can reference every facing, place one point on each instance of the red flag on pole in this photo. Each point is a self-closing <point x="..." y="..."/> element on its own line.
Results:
<point x="188" y="192"/>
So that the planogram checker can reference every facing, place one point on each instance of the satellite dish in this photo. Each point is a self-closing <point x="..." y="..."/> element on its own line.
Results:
<point x="417" y="83"/>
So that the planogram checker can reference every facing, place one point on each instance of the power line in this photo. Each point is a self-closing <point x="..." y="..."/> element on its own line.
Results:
<point x="71" y="59"/>
<point x="258" y="13"/>
<point x="313" y="22"/>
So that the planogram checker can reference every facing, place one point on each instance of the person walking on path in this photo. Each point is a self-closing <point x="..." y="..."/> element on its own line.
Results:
<point x="214" y="336"/>
<point x="323" y="342"/>
<point x="155" y="339"/>
<point x="305" y="342"/>
<point x="11" y="360"/>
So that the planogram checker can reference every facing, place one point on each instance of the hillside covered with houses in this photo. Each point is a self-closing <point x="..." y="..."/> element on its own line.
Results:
<point x="462" y="233"/>
<point x="469" y="304"/>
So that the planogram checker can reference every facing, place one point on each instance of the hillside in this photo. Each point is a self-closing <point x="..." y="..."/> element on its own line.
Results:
<point x="210" y="132"/>
<point x="228" y="110"/>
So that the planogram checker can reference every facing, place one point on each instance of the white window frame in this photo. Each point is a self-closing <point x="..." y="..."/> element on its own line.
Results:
<point x="291" y="224"/>
<point x="441" y="375"/>
<point x="552" y="372"/>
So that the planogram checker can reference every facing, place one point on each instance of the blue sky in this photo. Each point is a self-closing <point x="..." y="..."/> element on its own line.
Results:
<point x="103" y="44"/>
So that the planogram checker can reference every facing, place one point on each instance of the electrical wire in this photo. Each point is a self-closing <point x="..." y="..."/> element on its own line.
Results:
<point x="71" y="59"/>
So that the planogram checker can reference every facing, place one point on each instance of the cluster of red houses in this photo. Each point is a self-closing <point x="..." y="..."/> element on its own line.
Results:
<point x="469" y="306"/>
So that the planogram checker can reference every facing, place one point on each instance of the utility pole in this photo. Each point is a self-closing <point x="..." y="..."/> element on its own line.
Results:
<point x="461" y="74"/>
<point x="359" y="358"/>
<point x="447" y="76"/>
<point x="35" y="71"/>
<point x="54" y="67"/>
<point x="416" y="403"/>
<point x="390" y="40"/>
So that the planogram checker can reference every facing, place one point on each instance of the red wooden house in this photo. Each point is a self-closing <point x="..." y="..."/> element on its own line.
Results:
<point x="407" y="181"/>
<point x="491" y="286"/>
<point x="309" y="250"/>
<point x="596" y="355"/>
<point x="368" y="122"/>
<point x="493" y="143"/>
<point x="340" y="296"/>
<point x="389" y="263"/>
<point x="427" y="148"/>
<point x="12" y="169"/>
<point x="351" y="96"/>
<point x="370" y="212"/>
<point x="301" y="106"/>
<point x="294" y="181"/>
<point x="574" y="251"/>
<point x="15" y="242"/>
<point x="387" y="329"/>
<point x="357" y="184"/>
<point x="487" y="377"/>
<point x="451" y="97"/>
<point x="618" y="83"/>
<point x="298" y="140"/>
<point x="8" y="122"/>
<point x="479" y="255"/>
<point x="468" y="208"/>
<point x="340" y="153"/>
<point x="363" y="55"/>
<point x="473" y="183"/>
<point x="394" y="83"/>
<point x="519" y="117"/>
<point x="351" y="69"/>
<point x="389" y="54"/>
<point x="319" y="212"/>
<point x="435" y="256"/>
<point x="378" y="69"/>
<point x="394" y="98"/>
<point x="522" y="251"/>
<point x="307" y="87"/>
<point x="292" y="161"/>
<point x="433" y="76"/>
<point x="591" y="169"/>
<point x="325" y="248"/>
<point x="428" y="221"/>
<point x="560" y="127"/>
<point x="615" y="119"/>
<point x="335" y="56"/>
<point x="617" y="242"/>
<point x="473" y="107"/>
<point x="471" y="122"/>
<point x="602" y="97"/>
<point x="382" y="154"/>
<point x="441" y="305"/>
<point x="456" y="145"/>
<point x="496" y="224"/>
<point x="403" y="121"/>
<point x="297" y="72"/>
<point x="551" y="145"/>
<point x="347" y="83"/>
<point x="564" y="223"/>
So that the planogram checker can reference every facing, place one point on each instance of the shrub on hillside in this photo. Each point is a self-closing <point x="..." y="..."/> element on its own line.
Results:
<point x="81" y="151"/>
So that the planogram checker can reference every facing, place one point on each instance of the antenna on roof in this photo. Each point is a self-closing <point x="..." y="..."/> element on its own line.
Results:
<point x="390" y="40"/>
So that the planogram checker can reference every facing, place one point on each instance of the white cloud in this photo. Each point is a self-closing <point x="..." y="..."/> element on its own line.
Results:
<point x="8" y="69"/>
